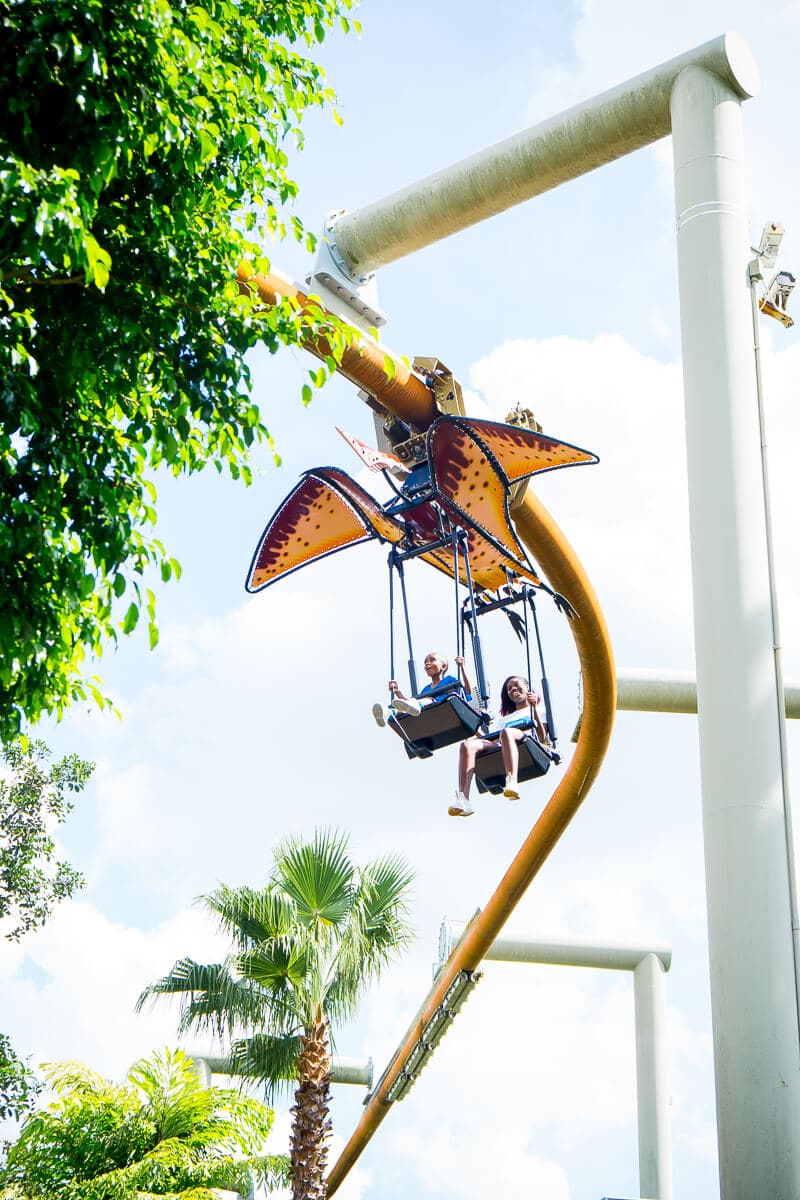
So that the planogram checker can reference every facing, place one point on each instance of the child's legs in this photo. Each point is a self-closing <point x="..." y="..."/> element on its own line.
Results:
<point x="468" y="752"/>
<point x="509" y="744"/>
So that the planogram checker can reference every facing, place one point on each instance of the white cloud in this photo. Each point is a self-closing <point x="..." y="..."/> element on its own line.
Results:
<point x="71" y="993"/>
<point x="627" y="516"/>
<point x="484" y="1162"/>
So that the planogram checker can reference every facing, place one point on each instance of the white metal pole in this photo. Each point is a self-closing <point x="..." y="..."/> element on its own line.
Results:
<point x="597" y="131"/>
<point x="652" y="1080"/>
<point x="756" y="1052"/>
<point x="648" y="966"/>
<point x="643" y="689"/>
<point x="343" y="1070"/>
<point x="558" y="952"/>
<point x="776" y="633"/>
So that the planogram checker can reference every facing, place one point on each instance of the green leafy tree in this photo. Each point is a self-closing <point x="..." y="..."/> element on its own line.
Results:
<point x="19" y="1087"/>
<point x="143" y="157"/>
<point x="32" y="800"/>
<point x="162" y="1133"/>
<point x="303" y="950"/>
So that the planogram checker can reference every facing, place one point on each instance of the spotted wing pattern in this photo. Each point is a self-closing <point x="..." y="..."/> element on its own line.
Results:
<point x="418" y="525"/>
<point x="384" y="526"/>
<point x="473" y="465"/>
<point x="326" y="512"/>
<point x="521" y="452"/>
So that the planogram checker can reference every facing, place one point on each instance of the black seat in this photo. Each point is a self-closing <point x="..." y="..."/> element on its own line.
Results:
<point x="439" y="724"/>
<point x="490" y="774"/>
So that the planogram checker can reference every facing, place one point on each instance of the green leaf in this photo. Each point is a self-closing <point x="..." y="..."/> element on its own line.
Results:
<point x="160" y="1133"/>
<point x="99" y="263"/>
<point x="131" y="618"/>
<point x="166" y="164"/>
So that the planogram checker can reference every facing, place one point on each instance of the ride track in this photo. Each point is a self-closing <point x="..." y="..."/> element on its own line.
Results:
<point x="407" y="396"/>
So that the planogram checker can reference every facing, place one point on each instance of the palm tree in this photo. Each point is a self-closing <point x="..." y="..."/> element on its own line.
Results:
<point x="162" y="1133"/>
<point x="303" y="950"/>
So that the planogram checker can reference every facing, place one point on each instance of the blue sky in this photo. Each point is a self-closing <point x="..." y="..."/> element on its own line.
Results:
<point x="252" y="718"/>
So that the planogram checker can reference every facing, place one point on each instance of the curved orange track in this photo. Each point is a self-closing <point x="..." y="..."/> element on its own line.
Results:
<point x="406" y="395"/>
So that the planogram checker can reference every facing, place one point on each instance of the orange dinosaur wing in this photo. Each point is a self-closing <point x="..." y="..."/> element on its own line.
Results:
<point x="326" y="512"/>
<point x="473" y="465"/>
<point x="521" y="452"/>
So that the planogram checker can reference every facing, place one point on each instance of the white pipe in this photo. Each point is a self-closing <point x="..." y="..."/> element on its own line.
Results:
<point x="656" y="691"/>
<point x="652" y="1079"/>
<point x="648" y="964"/>
<point x="753" y="998"/>
<point x="201" y="1069"/>
<point x="576" y="954"/>
<point x="352" y="1070"/>
<point x="343" y="1070"/>
<point x="649" y="690"/>
<point x="566" y="146"/>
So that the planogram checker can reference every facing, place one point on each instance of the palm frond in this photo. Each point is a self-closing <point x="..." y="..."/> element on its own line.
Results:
<point x="270" y="1060"/>
<point x="382" y="894"/>
<point x="274" y="963"/>
<point x="185" y="975"/>
<point x="318" y="876"/>
<point x="377" y="931"/>
<point x="210" y="996"/>
<point x="249" y="915"/>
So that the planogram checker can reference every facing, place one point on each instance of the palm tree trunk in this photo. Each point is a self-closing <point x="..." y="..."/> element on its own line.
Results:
<point x="311" y="1124"/>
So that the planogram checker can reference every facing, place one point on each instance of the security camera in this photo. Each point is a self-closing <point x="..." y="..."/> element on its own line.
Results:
<point x="776" y="297"/>
<point x="770" y="244"/>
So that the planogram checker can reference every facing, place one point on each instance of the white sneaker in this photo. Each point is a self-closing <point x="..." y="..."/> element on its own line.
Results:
<point x="407" y="706"/>
<point x="462" y="806"/>
<point x="380" y="714"/>
<point x="511" y="789"/>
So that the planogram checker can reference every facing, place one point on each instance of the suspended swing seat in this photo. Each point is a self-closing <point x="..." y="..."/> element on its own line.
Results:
<point x="490" y="773"/>
<point x="441" y="723"/>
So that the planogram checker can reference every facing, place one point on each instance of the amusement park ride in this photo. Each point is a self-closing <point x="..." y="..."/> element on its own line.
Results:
<point x="464" y="507"/>
<point x="451" y="510"/>
<point x="462" y="503"/>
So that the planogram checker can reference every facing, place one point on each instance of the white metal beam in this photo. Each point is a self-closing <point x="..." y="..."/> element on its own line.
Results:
<point x="648" y="965"/>
<point x="343" y="1070"/>
<point x="566" y="146"/>
<point x="647" y="690"/>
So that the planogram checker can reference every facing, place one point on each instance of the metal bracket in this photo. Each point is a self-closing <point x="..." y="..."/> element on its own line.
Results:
<point x="396" y="437"/>
<point x="446" y="389"/>
<point x="353" y="297"/>
<point x="524" y="418"/>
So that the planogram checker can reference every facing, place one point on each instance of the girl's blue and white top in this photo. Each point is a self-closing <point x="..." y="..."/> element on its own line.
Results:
<point x="519" y="717"/>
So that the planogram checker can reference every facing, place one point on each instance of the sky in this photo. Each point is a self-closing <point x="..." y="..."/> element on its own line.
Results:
<point x="252" y="719"/>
